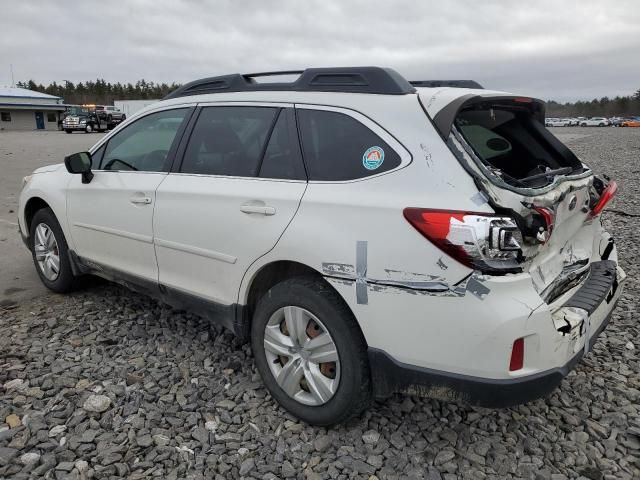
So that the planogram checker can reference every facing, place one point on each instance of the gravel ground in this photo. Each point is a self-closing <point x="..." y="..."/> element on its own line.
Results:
<point x="108" y="384"/>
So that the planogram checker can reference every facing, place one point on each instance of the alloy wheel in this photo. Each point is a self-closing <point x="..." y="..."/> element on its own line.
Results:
<point x="47" y="252"/>
<point x="302" y="356"/>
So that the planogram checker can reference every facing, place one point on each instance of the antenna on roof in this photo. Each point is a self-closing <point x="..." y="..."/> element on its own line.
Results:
<point x="13" y="83"/>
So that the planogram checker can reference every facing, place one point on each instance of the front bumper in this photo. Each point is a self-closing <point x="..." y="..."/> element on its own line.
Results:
<point x="389" y="375"/>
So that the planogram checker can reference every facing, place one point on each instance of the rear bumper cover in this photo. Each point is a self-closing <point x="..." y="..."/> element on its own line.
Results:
<point x="389" y="376"/>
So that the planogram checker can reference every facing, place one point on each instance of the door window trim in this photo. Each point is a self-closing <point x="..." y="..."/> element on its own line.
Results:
<point x="405" y="155"/>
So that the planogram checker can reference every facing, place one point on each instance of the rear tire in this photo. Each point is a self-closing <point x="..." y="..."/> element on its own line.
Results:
<point x="50" y="252"/>
<point x="351" y="393"/>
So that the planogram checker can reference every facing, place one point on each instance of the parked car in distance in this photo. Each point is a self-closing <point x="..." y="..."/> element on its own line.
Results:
<point x="112" y="115"/>
<point x="557" y="122"/>
<point x="594" y="122"/>
<point x="630" y="122"/>
<point x="573" y="122"/>
<point x="482" y="274"/>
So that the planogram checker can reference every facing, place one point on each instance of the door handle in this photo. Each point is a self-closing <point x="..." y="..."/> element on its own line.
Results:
<point x="261" y="209"/>
<point x="140" y="200"/>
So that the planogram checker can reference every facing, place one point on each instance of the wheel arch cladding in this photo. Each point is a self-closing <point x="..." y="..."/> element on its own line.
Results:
<point x="270" y="275"/>
<point x="32" y="206"/>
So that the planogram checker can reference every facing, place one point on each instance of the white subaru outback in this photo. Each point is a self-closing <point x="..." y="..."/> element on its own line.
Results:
<point x="367" y="234"/>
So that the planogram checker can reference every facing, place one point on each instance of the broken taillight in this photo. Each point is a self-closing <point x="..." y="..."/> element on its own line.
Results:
<point x="517" y="355"/>
<point x="548" y="216"/>
<point x="607" y="195"/>
<point x="481" y="241"/>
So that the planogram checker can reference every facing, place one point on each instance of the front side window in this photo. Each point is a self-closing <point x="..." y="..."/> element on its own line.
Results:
<point x="145" y="144"/>
<point x="228" y="141"/>
<point x="338" y="147"/>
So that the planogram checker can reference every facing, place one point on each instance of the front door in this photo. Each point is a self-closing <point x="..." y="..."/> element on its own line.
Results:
<point x="40" y="120"/>
<point x="111" y="218"/>
<point x="239" y="185"/>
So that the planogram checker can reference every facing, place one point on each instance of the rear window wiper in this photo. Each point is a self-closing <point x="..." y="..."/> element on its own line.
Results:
<point x="548" y="173"/>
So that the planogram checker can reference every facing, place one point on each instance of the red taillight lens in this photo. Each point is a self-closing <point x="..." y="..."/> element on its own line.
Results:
<point x="517" y="355"/>
<point x="606" y="197"/>
<point x="480" y="241"/>
<point x="549" y="218"/>
<point x="435" y="225"/>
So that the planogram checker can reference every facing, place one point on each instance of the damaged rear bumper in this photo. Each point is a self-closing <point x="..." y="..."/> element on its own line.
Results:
<point x="389" y="375"/>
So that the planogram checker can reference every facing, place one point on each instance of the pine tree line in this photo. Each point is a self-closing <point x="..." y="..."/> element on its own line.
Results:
<point x="100" y="92"/>
<point x="603" y="107"/>
<point x="104" y="93"/>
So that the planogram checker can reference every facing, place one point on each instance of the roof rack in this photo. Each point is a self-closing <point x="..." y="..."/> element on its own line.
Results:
<point x="376" y="80"/>
<point x="446" y="83"/>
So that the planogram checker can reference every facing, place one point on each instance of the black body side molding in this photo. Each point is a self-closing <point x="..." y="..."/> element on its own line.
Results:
<point x="231" y="316"/>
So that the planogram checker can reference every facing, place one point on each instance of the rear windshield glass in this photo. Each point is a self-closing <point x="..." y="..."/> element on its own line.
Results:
<point x="515" y="145"/>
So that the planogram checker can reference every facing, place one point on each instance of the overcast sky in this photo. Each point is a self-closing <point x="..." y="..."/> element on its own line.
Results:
<point x="561" y="50"/>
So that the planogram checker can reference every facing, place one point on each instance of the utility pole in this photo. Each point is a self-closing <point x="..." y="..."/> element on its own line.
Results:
<point x="13" y="83"/>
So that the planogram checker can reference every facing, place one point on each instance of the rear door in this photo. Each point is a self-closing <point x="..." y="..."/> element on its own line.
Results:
<point x="237" y="187"/>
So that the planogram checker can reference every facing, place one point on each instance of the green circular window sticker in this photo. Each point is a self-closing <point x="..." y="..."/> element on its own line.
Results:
<point x="373" y="158"/>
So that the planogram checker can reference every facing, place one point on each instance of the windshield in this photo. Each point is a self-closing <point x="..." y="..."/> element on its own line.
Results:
<point x="512" y="143"/>
<point x="77" y="111"/>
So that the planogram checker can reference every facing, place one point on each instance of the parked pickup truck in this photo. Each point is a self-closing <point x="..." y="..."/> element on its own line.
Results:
<point x="112" y="115"/>
<point x="91" y="118"/>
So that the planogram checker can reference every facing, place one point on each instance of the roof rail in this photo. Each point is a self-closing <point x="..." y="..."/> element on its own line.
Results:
<point x="446" y="83"/>
<point x="384" y="81"/>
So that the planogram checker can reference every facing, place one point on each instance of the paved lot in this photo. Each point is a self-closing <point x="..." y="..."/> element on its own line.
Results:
<point x="20" y="154"/>
<point x="108" y="384"/>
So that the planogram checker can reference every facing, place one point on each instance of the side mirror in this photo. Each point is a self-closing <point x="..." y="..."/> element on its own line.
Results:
<point x="80" y="163"/>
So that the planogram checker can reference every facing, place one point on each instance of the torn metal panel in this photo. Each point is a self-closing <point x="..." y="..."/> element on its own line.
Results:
<point x="410" y="276"/>
<point x="338" y="269"/>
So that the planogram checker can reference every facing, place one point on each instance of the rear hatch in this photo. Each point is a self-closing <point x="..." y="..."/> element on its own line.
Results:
<point x="527" y="174"/>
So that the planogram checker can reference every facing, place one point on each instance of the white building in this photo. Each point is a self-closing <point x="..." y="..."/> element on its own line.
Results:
<point x="129" y="107"/>
<point x="22" y="109"/>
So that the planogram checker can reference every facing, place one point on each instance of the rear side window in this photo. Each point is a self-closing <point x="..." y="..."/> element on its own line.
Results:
<point x="228" y="141"/>
<point x="338" y="147"/>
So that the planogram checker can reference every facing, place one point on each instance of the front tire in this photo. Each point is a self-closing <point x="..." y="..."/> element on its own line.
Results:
<point x="310" y="352"/>
<point x="69" y="131"/>
<point x="50" y="252"/>
<point x="88" y="129"/>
